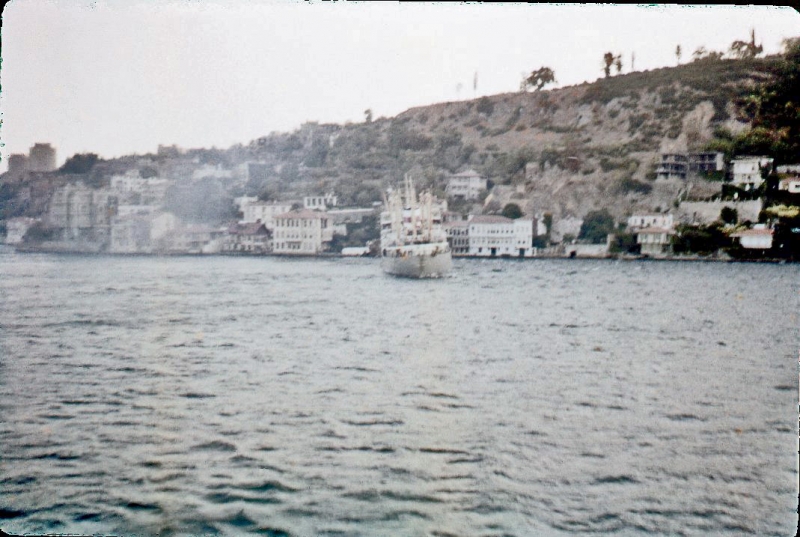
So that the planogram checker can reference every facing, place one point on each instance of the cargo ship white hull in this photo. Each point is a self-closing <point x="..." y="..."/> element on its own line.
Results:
<point x="413" y="243"/>
<point x="431" y="260"/>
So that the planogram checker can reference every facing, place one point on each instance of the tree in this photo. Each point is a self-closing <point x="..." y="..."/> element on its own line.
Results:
<point x="512" y="211"/>
<point x="746" y="50"/>
<point x="774" y="110"/>
<point x="729" y="215"/>
<point x="618" y="63"/>
<point x="368" y="115"/>
<point x="540" y="78"/>
<point x="608" y="61"/>
<point x="596" y="226"/>
<point x="678" y="53"/>
<point x="80" y="163"/>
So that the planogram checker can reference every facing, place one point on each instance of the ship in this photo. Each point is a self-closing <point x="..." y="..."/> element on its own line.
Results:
<point x="413" y="242"/>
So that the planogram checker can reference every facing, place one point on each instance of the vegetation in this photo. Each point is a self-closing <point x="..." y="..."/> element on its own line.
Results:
<point x="79" y="163"/>
<point x="512" y="210"/>
<point x="596" y="226"/>
<point x="539" y="79"/>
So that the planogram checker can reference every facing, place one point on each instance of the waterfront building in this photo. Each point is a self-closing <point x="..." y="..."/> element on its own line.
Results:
<point x="77" y="212"/>
<point x="758" y="238"/>
<point x="458" y="236"/>
<point x="654" y="240"/>
<point x="498" y="236"/>
<point x="248" y="238"/>
<point x="16" y="228"/>
<point x="302" y="232"/>
<point x="466" y="185"/>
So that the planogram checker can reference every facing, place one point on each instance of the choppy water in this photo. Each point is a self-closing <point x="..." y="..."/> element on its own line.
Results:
<point x="320" y="397"/>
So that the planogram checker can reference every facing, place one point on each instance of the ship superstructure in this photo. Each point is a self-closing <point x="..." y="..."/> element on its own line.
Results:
<point x="413" y="242"/>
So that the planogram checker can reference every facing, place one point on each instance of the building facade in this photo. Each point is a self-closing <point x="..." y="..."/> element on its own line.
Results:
<point x="498" y="236"/>
<point x="458" y="237"/>
<point x="302" y="232"/>
<point x="466" y="185"/>
<point x="638" y="221"/>
<point x="264" y="212"/>
<point x="746" y="173"/>
<point x="672" y="166"/>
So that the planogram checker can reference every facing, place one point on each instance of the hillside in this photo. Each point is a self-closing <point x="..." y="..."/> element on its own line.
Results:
<point x="566" y="151"/>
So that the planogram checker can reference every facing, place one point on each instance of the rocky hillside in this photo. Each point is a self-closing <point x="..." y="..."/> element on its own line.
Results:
<point x="566" y="151"/>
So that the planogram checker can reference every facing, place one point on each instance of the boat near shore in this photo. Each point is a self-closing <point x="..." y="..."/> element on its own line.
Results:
<point x="413" y="242"/>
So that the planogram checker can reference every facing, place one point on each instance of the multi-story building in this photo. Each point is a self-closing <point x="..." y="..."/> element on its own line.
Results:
<point x="672" y="166"/>
<point x="640" y="221"/>
<point x="320" y="203"/>
<point x="132" y="188"/>
<point x="77" y="212"/>
<point x="498" y="236"/>
<point x="466" y="185"/>
<point x="248" y="238"/>
<point x="709" y="161"/>
<point x="747" y="171"/>
<point x="264" y="212"/>
<point x="458" y="236"/>
<point x="654" y="240"/>
<point x="302" y="232"/>
<point x="42" y="158"/>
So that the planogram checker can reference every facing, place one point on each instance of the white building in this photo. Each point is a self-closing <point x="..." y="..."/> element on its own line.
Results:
<point x="16" y="228"/>
<point x="639" y="221"/>
<point x="320" y="203"/>
<point x="207" y="170"/>
<point x="496" y="236"/>
<point x="466" y="185"/>
<point x="790" y="184"/>
<point x="132" y="188"/>
<point x="788" y="168"/>
<point x="302" y="232"/>
<point x="747" y="171"/>
<point x="758" y="238"/>
<point x="654" y="240"/>
<point x="264" y="212"/>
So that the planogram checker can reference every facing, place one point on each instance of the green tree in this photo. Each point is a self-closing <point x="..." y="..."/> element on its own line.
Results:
<point x="729" y="215"/>
<point x="368" y="115"/>
<point x="512" y="210"/>
<point x="540" y="78"/>
<point x="596" y="226"/>
<point x="608" y="61"/>
<point x="80" y="163"/>
<point x="678" y="53"/>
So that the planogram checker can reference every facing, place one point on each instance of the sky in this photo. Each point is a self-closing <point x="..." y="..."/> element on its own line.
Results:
<point x="118" y="77"/>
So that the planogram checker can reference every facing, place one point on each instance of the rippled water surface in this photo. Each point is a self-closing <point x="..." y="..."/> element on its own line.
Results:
<point x="320" y="397"/>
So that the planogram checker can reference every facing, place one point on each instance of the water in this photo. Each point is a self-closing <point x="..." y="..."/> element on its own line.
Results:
<point x="320" y="397"/>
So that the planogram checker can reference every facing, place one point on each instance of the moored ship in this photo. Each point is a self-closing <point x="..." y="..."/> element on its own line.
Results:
<point x="413" y="242"/>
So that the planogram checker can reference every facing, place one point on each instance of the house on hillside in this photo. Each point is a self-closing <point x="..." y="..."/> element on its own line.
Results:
<point x="320" y="203"/>
<point x="709" y="161"/>
<point x="672" y="166"/>
<point x="640" y="221"/>
<point x="746" y="171"/>
<point x="466" y="185"/>
<point x="264" y="212"/>
<point x="790" y="184"/>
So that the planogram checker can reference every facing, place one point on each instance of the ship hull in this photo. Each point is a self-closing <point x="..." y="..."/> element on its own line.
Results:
<point x="417" y="261"/>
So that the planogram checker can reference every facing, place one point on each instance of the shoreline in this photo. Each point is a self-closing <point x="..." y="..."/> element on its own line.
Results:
<point x="329" y="255"/>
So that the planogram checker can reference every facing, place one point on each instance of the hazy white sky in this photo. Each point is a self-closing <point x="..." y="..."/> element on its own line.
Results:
<point x="122" y="76"/>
